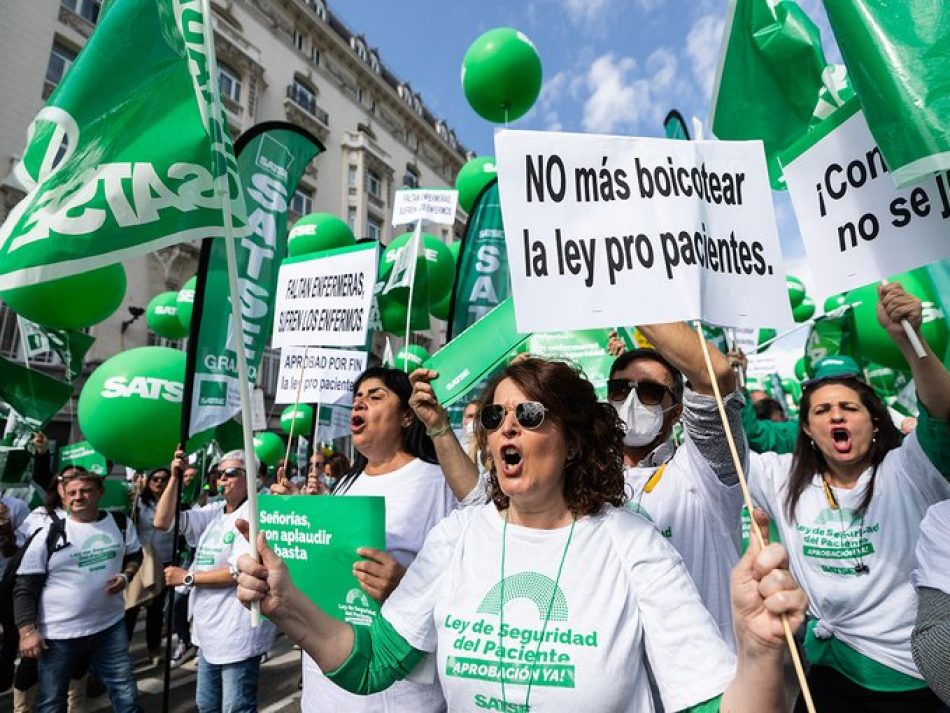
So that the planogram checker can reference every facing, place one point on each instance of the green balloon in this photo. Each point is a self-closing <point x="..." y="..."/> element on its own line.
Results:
<point x="301" y="418"/>
<point x="881" y="378"/>
<point x="269" y="448"/>
<point x="393" y="313"/>
<point x="440" y="310"/>
<point x="501" y="75"/>
<point x="835" y="301"/>
<point x="472" y="179"/>
<point x="317" y="232"/>
<point x="438" y="261"/>
<point x="805" y="309"/>
<point x="73" y="302"/>
<point x="796" y="290"/>
<point x="186" y="302"/>
<point x="411" y="358"/>
<point x="874" y="342"/>
<point x="115" y="496"/>
<point x="161" y="314"/>
<point x="130" y="407"/>
<point x="800" y="372"/>
<point x="792" y="388"/>
<point x="229" y="435"/>
<point x="455" y="248"/>
<point x="765" y="334"/>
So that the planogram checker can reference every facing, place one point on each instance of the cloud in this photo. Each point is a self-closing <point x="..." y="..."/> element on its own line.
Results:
<point x="702" y="47"/>
<point x="587" y="11"/>
<point x="553" y="93"/>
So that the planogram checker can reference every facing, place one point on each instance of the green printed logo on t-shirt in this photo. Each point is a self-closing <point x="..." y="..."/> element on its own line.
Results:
<point x="228" y="537"/>
<point x="838" y="535"/>
<point x="95" y="551"/>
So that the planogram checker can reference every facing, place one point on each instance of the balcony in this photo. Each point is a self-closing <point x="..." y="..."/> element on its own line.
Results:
<point x="301" y="108"/>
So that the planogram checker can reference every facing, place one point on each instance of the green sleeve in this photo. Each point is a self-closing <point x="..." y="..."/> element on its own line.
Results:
<point x="380" y="657"/>
<point x="710" y="706"/>
<point x="767" y="436"/>
<point x="933" y="434"/>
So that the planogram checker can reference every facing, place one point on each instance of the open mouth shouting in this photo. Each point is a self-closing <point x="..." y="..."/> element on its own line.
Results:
<point x="841" y="439"/>
<point x="511" y="460"/>
<point x="357" y="424"/>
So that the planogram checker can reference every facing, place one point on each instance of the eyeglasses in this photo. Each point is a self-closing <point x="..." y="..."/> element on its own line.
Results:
<point x="650" y="393"/>
<point x="158" y="480"/>
<point x="231" y="473"/>
<point x="529" y="414"/>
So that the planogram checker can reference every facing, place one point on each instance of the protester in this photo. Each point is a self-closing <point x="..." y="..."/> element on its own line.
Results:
<point x="336" y="467"/>
<point x="13" y="512"/>
<point x="395" y="459"/>
<point x="769" y="409"/>
<point x="157" y="549"/>
<point x="67" y="599"/>
<point x="763" y="435"/>
<point x="467" y="437"/>
<point x="931" y="638"/>
<point x="551" y="580"/>
<point x="230" y="649"/>
<point x="849" y="503"/>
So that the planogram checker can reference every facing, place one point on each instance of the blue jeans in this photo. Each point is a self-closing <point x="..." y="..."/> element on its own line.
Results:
<point x="108" y="655"/>
<point x="227" y="688"/>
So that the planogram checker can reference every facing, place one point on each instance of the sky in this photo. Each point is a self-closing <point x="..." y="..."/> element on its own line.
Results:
<point x="610" y="66"/>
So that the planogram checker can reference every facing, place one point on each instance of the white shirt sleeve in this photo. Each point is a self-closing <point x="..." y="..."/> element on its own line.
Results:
<point x="36" y="558"/>
<point x="917" y="470"/>
<point x="195" y="521"/>
<point x="933" y="549"/>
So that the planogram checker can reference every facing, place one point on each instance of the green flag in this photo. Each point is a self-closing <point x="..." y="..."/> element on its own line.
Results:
<point x="70" y="345"/>
<point x="674" y="126"/>
<point x="84" y="455"/>
<point x="272" y="157"/>
<point x="481" y="278"/>
<point x="773" y="81"/>
<point x="831" y="335"/>
<point x="34" y="396"/>
<point x="898" y="58"/>
<point x="129" y="155"/>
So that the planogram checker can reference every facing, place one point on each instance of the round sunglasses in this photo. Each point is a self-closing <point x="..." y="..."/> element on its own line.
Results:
<point x="650" y="393"/>
<point x="529" y="414"/>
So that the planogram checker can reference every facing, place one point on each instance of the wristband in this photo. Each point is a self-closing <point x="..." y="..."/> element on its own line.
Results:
<point x="439" y="431"/>
<point x="126" y="576"/>
<point x="30" y="633"/>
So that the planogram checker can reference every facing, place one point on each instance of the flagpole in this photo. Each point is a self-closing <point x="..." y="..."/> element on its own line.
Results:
<point x="250" y="459"/>
<point x="416" y="240"/>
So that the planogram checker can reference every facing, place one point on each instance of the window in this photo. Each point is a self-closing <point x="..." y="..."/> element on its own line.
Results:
<point x="351" y="217"/>
<point x="302" y="202"/>
<point x="61" y="59"/>
<point x="298" y="40"/>
<point x="314" y="54"/>
<point x="304" y="96"/>
<point x="374" y="228"/>
<point x="374" y="184"/>
<point x="88" y="9"/>
<point x="351" y="172"/>
<point x="411" y="178"/>
<point x="229" y="83"/>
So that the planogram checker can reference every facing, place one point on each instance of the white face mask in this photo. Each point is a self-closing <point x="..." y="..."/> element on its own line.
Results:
<point x="643" y="423"/>
<point x="469" y="429"/>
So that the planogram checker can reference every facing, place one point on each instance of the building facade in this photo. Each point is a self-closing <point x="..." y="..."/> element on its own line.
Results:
<point x="287" y="60"/>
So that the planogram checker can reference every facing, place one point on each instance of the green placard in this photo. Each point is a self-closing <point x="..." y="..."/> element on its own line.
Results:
<point x="14" y="466"/>
<point x="317" y="537"/>
<point x="116" y="497"/>
<point x="84" y="455"/>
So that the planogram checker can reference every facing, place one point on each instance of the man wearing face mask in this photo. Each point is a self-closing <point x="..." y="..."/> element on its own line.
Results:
<point x="690" y="492"/>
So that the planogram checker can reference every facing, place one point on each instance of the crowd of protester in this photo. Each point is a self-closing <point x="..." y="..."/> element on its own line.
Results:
<point x="624" y="541"/>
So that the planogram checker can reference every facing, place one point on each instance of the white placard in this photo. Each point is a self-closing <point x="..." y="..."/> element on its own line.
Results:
<point x="325" y="300"/>
<point x="856" y="226"/>
<point x="412" y="205"/>
<point x="608" y="230"/>
<point x="258" y="413"/>
<point x="760" y="366"/>
<point x="328" y="374"/>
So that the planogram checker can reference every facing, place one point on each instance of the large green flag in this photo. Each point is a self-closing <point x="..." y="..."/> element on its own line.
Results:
<point x="481" y="277"/>
<point x="272" y="157"/>
<point x="898" y="58"/>
<point x="129" y="155"/>
<point x="773" y="81"/>
<point x="34" y="396"/>
<point x="70" y="345"/>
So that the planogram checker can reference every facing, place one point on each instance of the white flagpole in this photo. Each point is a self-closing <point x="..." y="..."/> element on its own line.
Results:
<point x="415" y="243"/>
<point x="250" y="458"/>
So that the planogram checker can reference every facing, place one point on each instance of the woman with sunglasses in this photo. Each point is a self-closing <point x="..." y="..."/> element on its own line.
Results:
<point x="849" y="503"/>
<point x="551" y="597"/>
<point x="394" y="459"/>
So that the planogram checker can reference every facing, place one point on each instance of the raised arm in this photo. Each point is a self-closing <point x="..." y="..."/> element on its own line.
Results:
<point x="165" y="510"/>
<point x="680" y="344"/>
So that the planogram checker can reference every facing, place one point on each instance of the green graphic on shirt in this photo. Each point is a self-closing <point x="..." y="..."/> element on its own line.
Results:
<point x="96" y="550"/>
<point x="228" y="538"/>
<point x="527" y="585"/>
<point x="838" y="535"/>
<point x="560" y="675"/>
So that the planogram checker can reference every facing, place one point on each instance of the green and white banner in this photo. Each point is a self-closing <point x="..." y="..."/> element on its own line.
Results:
<point x="317" y="538"/>
<point x="84" y="455"/>
<point x="129" y="155"/>
<point x="898" y="58"/>
<point x="272" y="157"/>
<point x="35" y="397"/>
<point x="481" y="278"/>
<point x="586" y="348"/>
<point x="69" y="345"/>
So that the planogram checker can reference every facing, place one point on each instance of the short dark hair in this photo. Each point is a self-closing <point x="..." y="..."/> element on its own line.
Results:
<point x="622" y="361"/>
<point x="765" y="408"/>
<point x="593" y="475"/>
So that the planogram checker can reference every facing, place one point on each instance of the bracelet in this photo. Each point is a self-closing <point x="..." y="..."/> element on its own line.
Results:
<point x="126" y="576"/>
<point x="439" y="431"/>
<point x="32" y="631"/>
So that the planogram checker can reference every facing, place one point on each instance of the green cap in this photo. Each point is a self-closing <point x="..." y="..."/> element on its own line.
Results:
<point x="836" y="366"/>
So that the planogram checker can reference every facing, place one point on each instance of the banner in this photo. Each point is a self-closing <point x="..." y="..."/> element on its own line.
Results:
<point x="586" y="348"/>
<point x="82" y="454"/>
<point x="317" y="537"/>
<point x="436" y="206"/>
<point x="272" y="157"/>
<point x="35" y="397"/>
<point x="613" y="230"/>
<point x="466" y="359"/>
<point x="333" y="422"/>
<point x="130" y="153"/>
<point x="898" y="57"/>
<point x="856" y="226"/>
<point x="481" y="276"/>
<point x="328" y="374"/>
<point x="773" y="81"/>
<point x="69" y="345"/>
<point x="324" y="299"/>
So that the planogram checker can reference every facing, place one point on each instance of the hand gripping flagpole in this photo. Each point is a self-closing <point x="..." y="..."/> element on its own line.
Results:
<point x="747" y="497"/>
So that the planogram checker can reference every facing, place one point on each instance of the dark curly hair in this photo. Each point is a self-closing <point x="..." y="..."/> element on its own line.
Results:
<point x="808" y="460"/>
<point x="592" y="431"/>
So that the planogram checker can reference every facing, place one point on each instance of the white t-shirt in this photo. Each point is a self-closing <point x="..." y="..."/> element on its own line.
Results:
<point x="75" y="601"/>
<point x="699" y="516"/>
<point x="623" y="597"/>
<point x="220" y="624"/>
<point x="417" y="499"/>
<point x="872" y="613"/>
<point x="933" y="549"/>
